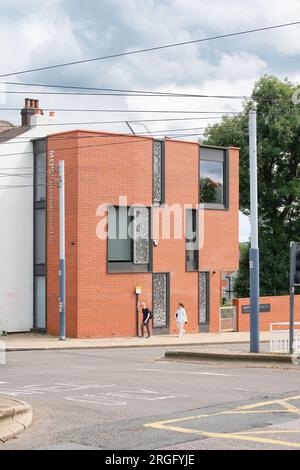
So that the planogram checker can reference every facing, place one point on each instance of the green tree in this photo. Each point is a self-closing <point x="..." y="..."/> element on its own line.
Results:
<point x="278" y="152"/>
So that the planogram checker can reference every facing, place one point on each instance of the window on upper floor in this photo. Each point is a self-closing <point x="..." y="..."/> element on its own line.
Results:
<point x="128" y="243"/>
<point x="158" y="172"/>
<point x="191" y="240"/>
<point x="214" y="187"/>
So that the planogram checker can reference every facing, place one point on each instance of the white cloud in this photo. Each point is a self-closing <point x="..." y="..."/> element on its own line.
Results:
<point x="244" y="228"/>
<point x="34" y="33"/>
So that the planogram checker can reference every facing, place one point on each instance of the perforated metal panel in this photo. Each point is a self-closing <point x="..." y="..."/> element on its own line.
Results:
<point x="203" y="297"/>
<point x="141" y="235"/>
<point x="157" y="171"/>
<point x="160" y="293"/>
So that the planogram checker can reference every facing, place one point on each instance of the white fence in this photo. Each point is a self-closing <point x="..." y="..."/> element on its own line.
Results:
<point x="227" y="318"/>
<point x="2" y="353"/>
<point x="280" y="338"/>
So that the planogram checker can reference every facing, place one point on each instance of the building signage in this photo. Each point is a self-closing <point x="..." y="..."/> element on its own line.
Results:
<point x="51" y="182"/>
<point x="262" y="308"/>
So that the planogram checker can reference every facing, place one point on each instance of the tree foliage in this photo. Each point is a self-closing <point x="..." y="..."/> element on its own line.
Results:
<point x="278" y="154"/>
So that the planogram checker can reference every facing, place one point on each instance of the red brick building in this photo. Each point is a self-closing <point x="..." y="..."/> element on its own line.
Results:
<point x="102" y="274"/>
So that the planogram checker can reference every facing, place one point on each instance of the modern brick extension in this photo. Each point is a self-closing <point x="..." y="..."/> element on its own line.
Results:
<point x="100" y="167"/>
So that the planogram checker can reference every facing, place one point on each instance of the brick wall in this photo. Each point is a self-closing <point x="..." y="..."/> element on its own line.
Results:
<point x="279" y="312"/>
<point x="98" y="169"/>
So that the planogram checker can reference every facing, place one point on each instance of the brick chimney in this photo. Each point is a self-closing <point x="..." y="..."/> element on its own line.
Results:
<point x="31" y="107"/>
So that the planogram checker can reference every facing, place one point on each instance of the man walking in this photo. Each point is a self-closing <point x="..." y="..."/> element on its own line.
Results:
<point x="145" y="320"/>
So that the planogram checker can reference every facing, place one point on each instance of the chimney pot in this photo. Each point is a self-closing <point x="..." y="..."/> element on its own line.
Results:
<point x="31" y="107"/>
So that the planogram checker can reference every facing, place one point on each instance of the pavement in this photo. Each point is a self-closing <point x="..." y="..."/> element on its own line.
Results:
<point x="37" y="341"/>
<point x="15" y="417"/>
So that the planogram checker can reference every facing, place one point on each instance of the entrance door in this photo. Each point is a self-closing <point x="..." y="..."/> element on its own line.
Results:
<point x="160" y="303"/>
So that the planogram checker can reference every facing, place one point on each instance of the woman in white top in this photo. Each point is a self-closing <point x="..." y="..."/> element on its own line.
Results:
<point x="181" y="319"/>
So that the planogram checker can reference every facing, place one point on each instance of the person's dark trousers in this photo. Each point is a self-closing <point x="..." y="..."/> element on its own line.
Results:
<point x="143" y="328"/>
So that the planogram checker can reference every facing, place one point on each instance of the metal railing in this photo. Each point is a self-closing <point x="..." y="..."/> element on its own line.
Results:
<point x="280" y="338"/>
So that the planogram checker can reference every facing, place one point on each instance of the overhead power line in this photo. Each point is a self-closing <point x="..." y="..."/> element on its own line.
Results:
<point x="150" y="49"/>
<point x="127" y="111"/>
<point x="104" y="135"/>
<point x="132" y="141"/>
<point x="129" y="94"/>
<point x="121" y="90"/>
<point x="123" y="121"/>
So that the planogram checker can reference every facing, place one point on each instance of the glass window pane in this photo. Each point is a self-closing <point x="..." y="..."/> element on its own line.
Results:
<point x="212" y="182"/>
<point x="40" y="177"/>
<point x="40" y="301"/>
<point x="40" y="236"/>
<point x="119" y="242"/>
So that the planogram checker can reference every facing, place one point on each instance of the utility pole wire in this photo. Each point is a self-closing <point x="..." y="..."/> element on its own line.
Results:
<point x="150" y="49"/>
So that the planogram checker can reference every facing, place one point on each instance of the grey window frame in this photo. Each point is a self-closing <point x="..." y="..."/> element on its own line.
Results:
<point x="217" y="157"/>
<point x="129" y="266"/>
<point x="192" y="265"/>
<point x="39" y="147"/>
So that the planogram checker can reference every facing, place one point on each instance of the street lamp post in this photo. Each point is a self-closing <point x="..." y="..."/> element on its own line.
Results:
<point x="254" y="250"/>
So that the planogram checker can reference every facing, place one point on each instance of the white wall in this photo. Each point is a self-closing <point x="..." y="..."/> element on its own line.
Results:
<point x="16" y="229"/>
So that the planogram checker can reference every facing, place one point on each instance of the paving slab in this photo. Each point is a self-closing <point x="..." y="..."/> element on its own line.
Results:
<point x="34" y="341"/>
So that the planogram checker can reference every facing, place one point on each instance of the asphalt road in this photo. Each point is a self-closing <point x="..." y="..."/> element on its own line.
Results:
<point x="126" y="399"/>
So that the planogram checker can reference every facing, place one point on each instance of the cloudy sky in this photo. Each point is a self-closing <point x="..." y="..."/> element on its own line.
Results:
<point x="36" y="33"/>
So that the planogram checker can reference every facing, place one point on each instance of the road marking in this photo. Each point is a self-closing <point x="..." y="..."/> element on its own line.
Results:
<point x="292" y="408"/>
<point x="110" y="398"/>
<point x="250" y="436"/>
<point x="100" y="400"/>
<point x="231" y="436"/>
<point x="38" y="389"/>
<point x="237" y="389"/>
<point x="217" y="374"/>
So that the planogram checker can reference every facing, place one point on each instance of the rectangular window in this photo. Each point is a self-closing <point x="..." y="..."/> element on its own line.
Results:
<point x="120" y="243"/>
<point x="213" y="178"/>
<point x="40" y="302"/>
<point x="128" y="239"/>
<point x="40" y="236"/>
<point x="158" y="172"/>
<point x="191" y="240"/>
<point x="40" y="179"/>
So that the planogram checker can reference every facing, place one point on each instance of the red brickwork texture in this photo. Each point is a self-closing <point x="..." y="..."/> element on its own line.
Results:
<point x="279" y="312"/>
<point x="98" y="169"/>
